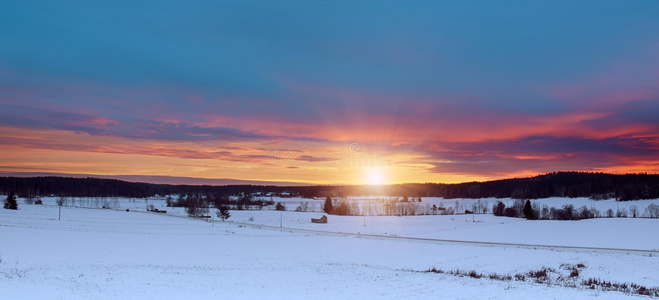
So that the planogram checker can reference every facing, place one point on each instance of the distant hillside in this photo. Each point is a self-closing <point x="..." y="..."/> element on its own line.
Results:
<point x="560" y="184"/>
<point x="173" y="180"/>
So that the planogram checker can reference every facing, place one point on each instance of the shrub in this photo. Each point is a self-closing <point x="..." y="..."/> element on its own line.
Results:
<point x="584" y="213"/>
<point x="545" y="212"/>
<point x="196" y="206"/>
<point x="569" y="212"/>
<point x="343" y="209"/>
<point x="474" y="274"/>
<point x="510" y="212"/>
<point x="303" y="207"/>
<point x="541" y="275"/>
<point x="566" y="213"/>
<point x="574" y="273"/>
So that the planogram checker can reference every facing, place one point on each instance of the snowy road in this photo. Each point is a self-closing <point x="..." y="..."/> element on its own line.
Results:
<point x="445" y="241"/>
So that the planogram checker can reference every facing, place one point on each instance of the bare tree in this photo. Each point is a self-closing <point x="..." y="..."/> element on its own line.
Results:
<point x="652" y="211"/>
<point x="61" y="200"/>
<point x="621" y="213"/>
<point x="609" y="213"/>
<point x="633" y="211"/>
<point x="545" y="212"/>
<point x="29" y="199"/>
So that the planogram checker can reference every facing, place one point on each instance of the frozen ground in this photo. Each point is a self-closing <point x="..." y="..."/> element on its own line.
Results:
<point x="106" y="254"/>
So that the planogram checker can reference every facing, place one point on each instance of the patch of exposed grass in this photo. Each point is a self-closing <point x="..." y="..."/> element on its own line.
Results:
<point x="551" y="276"/>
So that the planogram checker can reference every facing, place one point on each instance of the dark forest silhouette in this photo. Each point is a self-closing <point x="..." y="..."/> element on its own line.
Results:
<point x="559" y="184"/>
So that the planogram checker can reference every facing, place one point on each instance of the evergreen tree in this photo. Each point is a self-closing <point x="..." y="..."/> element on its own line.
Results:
<point x="328" y="205"/>
<point x="10" y="201"/>
<point x="528" y="211"/>
<point x="223" y="212"/>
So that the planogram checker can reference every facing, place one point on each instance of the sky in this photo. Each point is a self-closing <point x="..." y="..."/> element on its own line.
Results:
<point x="329" y="92"/>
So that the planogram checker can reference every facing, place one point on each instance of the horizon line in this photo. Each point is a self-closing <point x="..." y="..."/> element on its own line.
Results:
<point x="198" y="181"/>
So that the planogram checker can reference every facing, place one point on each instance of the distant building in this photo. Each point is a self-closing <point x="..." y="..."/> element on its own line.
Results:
<point x="322" y="220"/>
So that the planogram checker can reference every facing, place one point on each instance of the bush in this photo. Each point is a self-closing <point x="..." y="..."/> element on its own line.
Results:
<point x="280" y="206"/>
<point x="569" y="211"/>
<point x="510" y="212"/>
<point x="303" y="207"/>
<point x="343" y="209"/>
<point x="545" y="212"/>
<point x="565" y="214"/>
<point x="498" y="208"/>
<point x="585" y="213"/>
<point x="574" y="273"/>
<point x="196" y="206"/>
<point x="542" y="275"/>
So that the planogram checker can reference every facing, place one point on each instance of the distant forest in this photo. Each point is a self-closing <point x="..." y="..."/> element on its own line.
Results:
<point x="559" y="184"/>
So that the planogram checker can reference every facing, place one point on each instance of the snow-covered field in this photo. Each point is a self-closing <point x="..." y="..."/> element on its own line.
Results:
<point x="114" y="254"/>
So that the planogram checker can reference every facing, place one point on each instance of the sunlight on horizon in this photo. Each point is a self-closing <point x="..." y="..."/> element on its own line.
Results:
<point x="375" y="177"/>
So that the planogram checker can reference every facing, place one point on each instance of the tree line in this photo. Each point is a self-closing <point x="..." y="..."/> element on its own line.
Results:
<point x="533" y="211"/>
<point x="560" y="184"/>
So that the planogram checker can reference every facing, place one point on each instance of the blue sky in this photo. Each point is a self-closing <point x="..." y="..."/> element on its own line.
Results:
<point x="436" y="85"/>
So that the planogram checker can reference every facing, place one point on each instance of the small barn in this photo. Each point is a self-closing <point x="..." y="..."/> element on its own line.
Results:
<point x="322" y="220"/>
<point x="38" y="202"/>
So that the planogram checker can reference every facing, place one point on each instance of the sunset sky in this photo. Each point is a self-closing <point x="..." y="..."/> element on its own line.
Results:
<point x="329" y="91"/>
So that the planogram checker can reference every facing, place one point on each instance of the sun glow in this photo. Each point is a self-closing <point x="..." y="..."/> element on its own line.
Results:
<point x="374" y="177"/>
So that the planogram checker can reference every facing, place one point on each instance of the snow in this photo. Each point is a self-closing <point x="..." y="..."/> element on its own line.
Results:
<point x="113" y="254"/>
<point x="625" y="233"/>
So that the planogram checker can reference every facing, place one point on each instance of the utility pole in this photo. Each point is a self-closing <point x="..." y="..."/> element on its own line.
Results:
<point x="281" y="215"/>
<point x="59" y="218"/>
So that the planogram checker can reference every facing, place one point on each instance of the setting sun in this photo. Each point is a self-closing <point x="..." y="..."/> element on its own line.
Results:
<point x="375" y="177"/>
